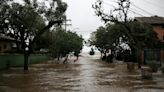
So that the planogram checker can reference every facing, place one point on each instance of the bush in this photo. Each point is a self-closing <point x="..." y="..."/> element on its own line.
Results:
<point x="146" y="73"/>
<point x="154" y="66"/>
<point x="92" y="52"/>
<point x="130" y="66"/>
<point x="103" y="58"/>
<point x="109" y="58"/>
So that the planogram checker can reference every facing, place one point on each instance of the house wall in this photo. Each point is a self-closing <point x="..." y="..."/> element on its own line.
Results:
<point x="160" y="31"/>
<point x="5" y="46"/>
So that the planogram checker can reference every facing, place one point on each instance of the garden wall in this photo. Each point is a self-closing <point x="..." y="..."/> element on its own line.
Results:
<point x="18" y="59"/>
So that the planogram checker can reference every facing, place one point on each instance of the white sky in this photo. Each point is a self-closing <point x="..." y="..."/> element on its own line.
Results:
<point x="84" y="21"/>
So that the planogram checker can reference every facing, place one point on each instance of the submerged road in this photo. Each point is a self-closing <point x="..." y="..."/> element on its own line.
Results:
<point x="86" y="75"/>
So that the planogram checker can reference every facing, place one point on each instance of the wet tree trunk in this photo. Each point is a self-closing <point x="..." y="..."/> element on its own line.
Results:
<point x="58" y="57"/>
<point x="101" y="54"/>
<point x="17" y="47"/>
<point x="138" y="58"/>
<point x="65" y="60"/>
<point x="77" y="57"/>
<point x="26" y="56"/>
<point x="136" y="54"/>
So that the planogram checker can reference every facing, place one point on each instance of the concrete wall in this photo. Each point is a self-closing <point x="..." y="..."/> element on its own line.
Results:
<point x="18" y="59"/>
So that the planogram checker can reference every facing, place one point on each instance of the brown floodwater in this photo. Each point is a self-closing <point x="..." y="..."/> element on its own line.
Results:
<point x="86" y="75"/>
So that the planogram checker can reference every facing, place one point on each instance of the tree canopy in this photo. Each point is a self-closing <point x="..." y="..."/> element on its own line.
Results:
<point x="65" y="42"/>
<point x="28" y="21"/>
<point x="112" y="37"/>
<point x="136" y="35"/>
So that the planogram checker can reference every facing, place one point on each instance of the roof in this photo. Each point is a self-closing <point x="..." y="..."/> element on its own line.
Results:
<point x="4" y="37"/>
<point x="151" y="20"/>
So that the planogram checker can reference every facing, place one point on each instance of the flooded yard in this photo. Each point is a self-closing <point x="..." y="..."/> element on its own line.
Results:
<point x="86" y="75"/>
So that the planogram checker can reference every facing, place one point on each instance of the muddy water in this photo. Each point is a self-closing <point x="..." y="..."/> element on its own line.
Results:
<point x="86" y="75"/>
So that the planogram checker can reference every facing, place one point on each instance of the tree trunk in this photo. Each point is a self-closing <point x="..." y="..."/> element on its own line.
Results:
<point x="138" y="58"/>
<point x="101" y="54"/>
<point x="26" y="56"/>
<point x="65" y="60"/>
<point x="17" y="47"/>
<point x="77" y="57"/>
<point x="58" y="57"/>
<point x="136" y="54"/>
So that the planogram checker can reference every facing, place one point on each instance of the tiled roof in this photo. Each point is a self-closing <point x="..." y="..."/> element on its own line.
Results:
<point x="151" y="20"/>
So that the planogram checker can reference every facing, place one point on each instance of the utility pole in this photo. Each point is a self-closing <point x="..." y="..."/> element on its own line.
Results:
<point x="65" y="23"/>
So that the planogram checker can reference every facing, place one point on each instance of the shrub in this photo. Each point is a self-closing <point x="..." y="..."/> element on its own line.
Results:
<point x="153" y="65"/>
<point x="92" y="52"/>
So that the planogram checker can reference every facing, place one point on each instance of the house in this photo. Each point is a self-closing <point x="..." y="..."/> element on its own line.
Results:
<point x="6" y="43"/>
<point x="156" y="22"/>
<point x="158" y="26"/>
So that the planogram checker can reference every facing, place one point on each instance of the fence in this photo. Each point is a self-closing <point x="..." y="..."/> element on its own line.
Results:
<point x="152" y="55"/>
<point x="18" y="59"/>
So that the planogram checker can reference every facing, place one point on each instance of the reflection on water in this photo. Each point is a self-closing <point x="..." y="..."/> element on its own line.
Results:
<point x="86" y="75"/>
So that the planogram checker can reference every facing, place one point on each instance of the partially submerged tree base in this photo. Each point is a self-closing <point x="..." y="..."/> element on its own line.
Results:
<point x="130" y="66"/>
<point x="65" y="60"/>
<point x="26" y="56"/>
<point x="146" y="73"/>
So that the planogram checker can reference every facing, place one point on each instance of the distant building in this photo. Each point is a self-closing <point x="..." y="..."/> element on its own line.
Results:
<point x="158" y="26"/>
<point x="6" y="43"/>
<point x="156" y="22"/>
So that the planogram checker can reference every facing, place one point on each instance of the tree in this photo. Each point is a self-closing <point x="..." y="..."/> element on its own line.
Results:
<point x="44" y="41"/>
<point x="106" y="39"/>
<point x="111" y="37"/>
<point x="29" y="21"/>
<point x="119" y="16"/>
<point x="101" y="40"/>
<point x="66" y="42"/>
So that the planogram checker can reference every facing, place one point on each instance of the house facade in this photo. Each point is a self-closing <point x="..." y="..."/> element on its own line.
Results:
<point x="6" y="43"/>
<point x="158" y="26"/>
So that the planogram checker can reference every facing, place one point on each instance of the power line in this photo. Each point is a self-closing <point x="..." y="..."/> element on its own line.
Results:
<point x="154" y="4"/>
<point x="131" y="10"/>
<point x="141" y="9"/>
<point x="107" y="3"/>
<point x="116" y="7"/>
<point x="136" y="13"/>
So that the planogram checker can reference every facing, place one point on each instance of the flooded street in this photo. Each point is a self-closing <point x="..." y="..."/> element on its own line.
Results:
<point x="86" y="75"/>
